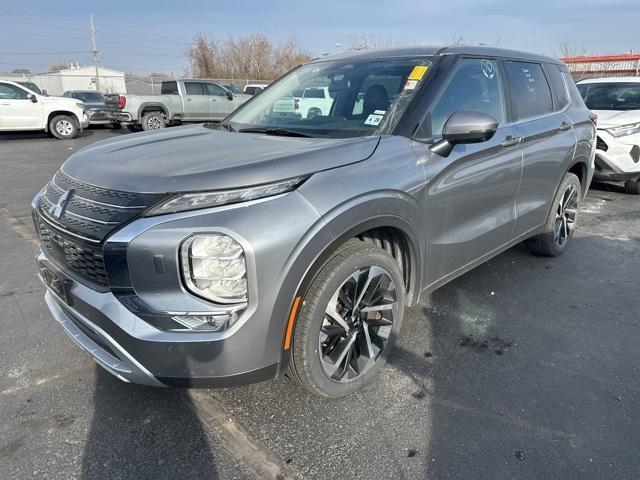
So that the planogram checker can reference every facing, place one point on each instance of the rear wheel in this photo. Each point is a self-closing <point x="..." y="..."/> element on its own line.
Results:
<point x="63" y="127"/>
<point x="632" y="186"/>
<point x="348" y="321"/>
<point x="153" y="121"/>
<point x="561" y="222"/>
<point x="314" y="112"/>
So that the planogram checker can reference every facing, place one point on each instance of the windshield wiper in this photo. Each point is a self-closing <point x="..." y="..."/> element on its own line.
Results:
<point x="274" y="131"/>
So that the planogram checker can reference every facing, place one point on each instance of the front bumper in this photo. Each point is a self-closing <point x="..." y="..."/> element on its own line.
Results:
<point x="100" y="117"/>
<point x="120" y="325"/>
<point x="84" y="121"/>
<point x="617" y="159"/>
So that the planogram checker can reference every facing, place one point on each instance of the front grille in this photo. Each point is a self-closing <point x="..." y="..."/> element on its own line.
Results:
<point x="601" y="145"/>
<point x="82" y="259"/>
<point x="75" y="239"/>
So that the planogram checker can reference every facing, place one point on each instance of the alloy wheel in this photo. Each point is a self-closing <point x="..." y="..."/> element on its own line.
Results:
<point x="154" y="123"/>
<point x="357" y="323"/>
<point x="64" y="127"/>
<point x="566" y="213"/>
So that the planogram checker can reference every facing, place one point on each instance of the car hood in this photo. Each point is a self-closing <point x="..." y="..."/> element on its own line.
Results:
<point x="614" y="118"/>
<point x="193" y="158"/>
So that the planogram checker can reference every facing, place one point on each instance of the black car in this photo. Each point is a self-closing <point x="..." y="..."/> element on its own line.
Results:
<point x="96" y="107"/>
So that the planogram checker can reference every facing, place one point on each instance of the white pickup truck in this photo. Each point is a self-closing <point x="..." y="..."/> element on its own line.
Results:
<point x="180" y="101"/>
<point x="24" y="109"/>
<point x="307" y="103"/>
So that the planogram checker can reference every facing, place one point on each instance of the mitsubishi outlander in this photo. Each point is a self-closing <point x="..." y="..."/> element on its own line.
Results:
<point x="282" y="241"/>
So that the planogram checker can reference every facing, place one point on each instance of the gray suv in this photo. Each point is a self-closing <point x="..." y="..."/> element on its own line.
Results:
<point x="280" y="242"/>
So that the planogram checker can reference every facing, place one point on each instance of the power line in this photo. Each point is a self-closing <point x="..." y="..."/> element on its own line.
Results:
<point x="42" y="53"/>
<point x="49" y="35"/>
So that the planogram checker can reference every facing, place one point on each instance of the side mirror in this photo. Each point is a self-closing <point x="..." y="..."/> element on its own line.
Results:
<point x="465" y="126"/>
<point x="229" y="95"/>
<point x="44" y="92"/>
<point x="33" y="98"/>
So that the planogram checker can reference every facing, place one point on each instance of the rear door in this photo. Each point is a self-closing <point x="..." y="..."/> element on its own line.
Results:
<point x="196" y="101"/>
<point x="470" y="204"/>
<point x="219" y="104"/>
<point x="548" y="140"/>
<point x="17" y="111"/>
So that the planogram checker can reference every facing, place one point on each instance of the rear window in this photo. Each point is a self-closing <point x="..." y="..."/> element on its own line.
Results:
<point x="529" y="90"/>
<point x="314" y="93"/>
<point x="169" y="88"/>
<point x="88" y="97"/>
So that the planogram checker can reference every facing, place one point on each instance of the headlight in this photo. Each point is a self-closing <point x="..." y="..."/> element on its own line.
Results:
<point x="80" y="105"/>
<point x="193" y="201"/>
<point x="213" y="267"/>
<point x="624" y="130"/>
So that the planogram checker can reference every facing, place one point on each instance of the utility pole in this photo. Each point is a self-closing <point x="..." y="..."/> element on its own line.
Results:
<point x="94" y="52"/>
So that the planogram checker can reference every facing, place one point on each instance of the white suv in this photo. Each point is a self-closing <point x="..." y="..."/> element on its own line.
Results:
<point x="616" y="101"/>
<point x="24" y="109"/>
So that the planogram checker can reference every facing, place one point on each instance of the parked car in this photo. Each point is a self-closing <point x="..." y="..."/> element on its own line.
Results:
<point x="180" y="101"/>
<point x="24" y="109"/>
<point x="305" y="103"/>
<point x="616" y="101"/>
<point x="96" y="107"/>
<point x="254" y="88"/>
<point x="235" y="90"/>
<point x="212" y="255"/>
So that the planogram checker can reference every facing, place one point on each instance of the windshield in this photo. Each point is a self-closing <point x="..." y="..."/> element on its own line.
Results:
<point x="335" y="99"/>
<point x="611" y="96"/>
<point x="89" y="97"/>
<point x="31" y="86"/>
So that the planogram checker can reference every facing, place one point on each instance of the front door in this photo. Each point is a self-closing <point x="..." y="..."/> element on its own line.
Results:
<point x="17" y="111"/>
<point x="220" y="105"/>
<point x="470" y="199"/>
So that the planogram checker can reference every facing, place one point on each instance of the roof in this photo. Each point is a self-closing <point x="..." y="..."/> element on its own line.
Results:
<point x="611" y="80"/>
<point x="429" y="51"/>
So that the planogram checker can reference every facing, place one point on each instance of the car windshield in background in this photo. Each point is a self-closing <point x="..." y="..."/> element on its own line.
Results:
<point x="89" y="97"/>
<point x="335" y="99"/>
<point x="31" y="86"/>
<point x="611" y="96"/>
<point x="233" y="89"/>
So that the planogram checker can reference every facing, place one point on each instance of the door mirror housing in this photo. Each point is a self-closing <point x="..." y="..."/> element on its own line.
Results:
<point x="464" y="126"/>
<point x="33" y="98"/>
<point x="229" y="95"/>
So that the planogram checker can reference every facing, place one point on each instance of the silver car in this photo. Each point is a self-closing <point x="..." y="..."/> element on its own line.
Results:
<point x="212" y="255"/>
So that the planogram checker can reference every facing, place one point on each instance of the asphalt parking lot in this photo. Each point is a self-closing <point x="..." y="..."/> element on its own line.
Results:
<point x="526" y="367"/>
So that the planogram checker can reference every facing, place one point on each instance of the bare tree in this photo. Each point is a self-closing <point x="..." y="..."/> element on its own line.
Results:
<point x="570" y="48"/>
<point x="59" y="65"/>
<point x="366" y="41"/>
<point x="253" y="57"/>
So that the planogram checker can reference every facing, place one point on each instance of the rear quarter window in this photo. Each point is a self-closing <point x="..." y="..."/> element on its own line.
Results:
<point x="558" y="82"/>
<point x="529" y="90"/>
<point x="169" y="88"/>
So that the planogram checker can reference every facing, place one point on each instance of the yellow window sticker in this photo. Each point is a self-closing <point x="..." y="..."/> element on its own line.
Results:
<point x="418" y="72"/>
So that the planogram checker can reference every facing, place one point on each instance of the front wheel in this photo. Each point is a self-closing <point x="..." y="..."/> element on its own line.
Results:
<point x="348" y="322"/>
<point x="561" y="222"/>
<point x="63" y="127"/>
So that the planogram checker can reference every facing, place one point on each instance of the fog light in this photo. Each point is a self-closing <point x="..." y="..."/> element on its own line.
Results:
<point x="214" y="267"/>
<point x="211" y="323"/>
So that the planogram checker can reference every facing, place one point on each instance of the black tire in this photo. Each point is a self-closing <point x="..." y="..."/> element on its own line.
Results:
<point x="632" y="186"/>
<point x="153" y="121"/>
<point x="63" y="127"/>
<point x="134" y="128"/>
<point x="313" y="112"/>
<point x="550" y="243"/>
<point x="116" y="125"/>
<point x="306" y="366"/>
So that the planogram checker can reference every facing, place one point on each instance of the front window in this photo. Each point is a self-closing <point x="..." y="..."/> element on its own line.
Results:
<point x="611" y="96"/>
<point x="335" y="99"/>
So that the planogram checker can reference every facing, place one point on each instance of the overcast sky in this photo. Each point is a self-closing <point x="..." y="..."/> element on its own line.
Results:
<point x="150" y="36"/>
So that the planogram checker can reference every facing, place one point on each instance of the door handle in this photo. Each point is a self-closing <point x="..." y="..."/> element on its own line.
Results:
<point x="510" y="141"/>
<point x="564" y="126"/>
<point x="187" y="99"/>
<point x="5" y="104"/>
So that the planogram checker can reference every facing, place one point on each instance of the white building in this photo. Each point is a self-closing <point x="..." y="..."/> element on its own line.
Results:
<point x="76" y="78"/>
